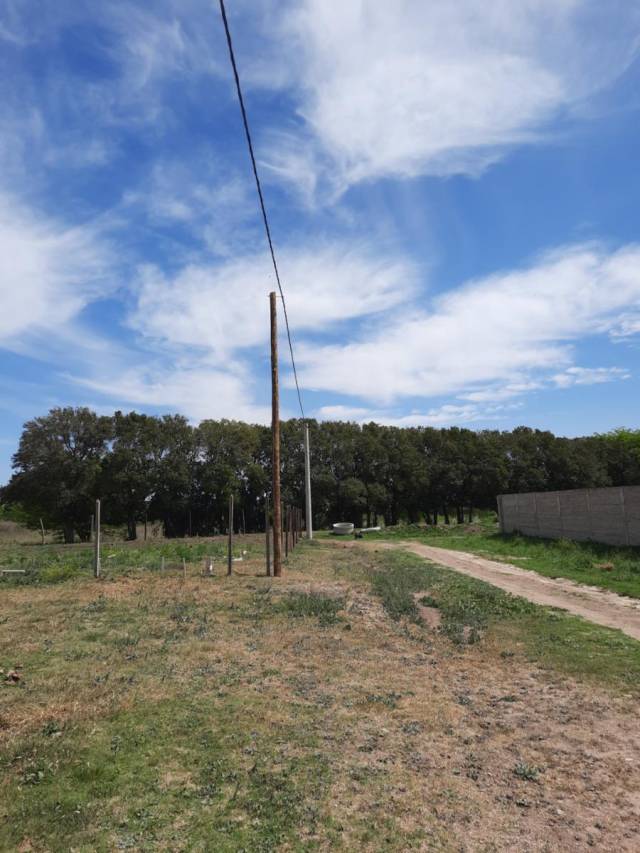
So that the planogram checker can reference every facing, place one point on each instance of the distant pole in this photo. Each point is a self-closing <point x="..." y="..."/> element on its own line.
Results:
<point x="287" y="518"/>
<point x="275" y="434"/>
<point x="307" y="483"/>
<point x="230" y="546"/>
<point x="96" y="556"/>
<point x="267" y="525"/>
<point x="42" y="531"/>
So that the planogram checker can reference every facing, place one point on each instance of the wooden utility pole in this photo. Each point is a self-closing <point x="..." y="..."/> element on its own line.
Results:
<point x="307" y="483"/>
<point x="267" y="533"/>
<point x="230" y="544"/>
<point x="96" y="554"/>
<point x="275" y="434"/>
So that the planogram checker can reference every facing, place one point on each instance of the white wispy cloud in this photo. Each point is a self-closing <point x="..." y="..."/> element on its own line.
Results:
<point x="448" y="414"/>
<point x="198" y="392"/>
<point x="214" y="205"/>
<point x="625" y="327"/>
<point x="504" y="330"/>
<point x="589" y="376"/>
<point x="223" y="307"/>
<point x="438" y="88"/>
<point x="49" y="272"/>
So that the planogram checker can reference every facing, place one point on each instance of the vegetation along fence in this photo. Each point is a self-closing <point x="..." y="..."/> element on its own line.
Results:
<point x="610" y="515"/>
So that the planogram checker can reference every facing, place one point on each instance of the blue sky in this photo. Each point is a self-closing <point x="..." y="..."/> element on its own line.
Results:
<point x="453" y="188"/>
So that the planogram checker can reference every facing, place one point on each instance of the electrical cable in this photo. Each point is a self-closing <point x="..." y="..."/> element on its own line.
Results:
<point x="265" y="219"/>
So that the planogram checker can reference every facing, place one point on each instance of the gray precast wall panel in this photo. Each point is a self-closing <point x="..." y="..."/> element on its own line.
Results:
<point x="608" y="515"/>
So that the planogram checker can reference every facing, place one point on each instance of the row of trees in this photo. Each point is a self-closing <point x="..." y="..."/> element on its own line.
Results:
<point x="183" y="475"/>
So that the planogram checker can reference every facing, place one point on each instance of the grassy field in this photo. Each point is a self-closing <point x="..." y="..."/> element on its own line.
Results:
<point x="605" y="566"/>
<point x="330" y="710"/>
<point x="45" y="564"/>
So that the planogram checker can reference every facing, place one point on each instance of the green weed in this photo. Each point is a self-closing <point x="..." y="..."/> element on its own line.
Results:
<point x="307" y="604"/>
<point x="527" y="772"/>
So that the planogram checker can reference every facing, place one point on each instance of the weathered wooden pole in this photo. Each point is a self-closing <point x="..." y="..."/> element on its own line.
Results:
<point x="307" y="483"/>
<point x="267" y="533"/>
<point x="96" y="552"/>
<point x="275" y="435"/>
<point x="230" y="543"/>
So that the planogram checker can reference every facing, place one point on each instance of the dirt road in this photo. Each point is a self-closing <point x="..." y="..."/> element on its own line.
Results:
<point x="593" y="604"/>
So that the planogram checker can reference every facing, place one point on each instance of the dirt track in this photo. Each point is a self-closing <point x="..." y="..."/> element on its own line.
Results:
<point x="593" y="604"/>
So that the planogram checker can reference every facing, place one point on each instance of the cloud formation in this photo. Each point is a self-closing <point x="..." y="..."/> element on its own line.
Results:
<point x="49" y="272"/>
<point x="223" y="307"/>
<point x="507" y="330"/>
<point x="439" y="88"/>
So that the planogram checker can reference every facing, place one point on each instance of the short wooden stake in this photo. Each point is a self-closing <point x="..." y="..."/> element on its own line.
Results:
<point x="267" y="534"/>
<point x="230" y="544"/>
<point x="96" y="553"/>
<point x="286" y="531"/>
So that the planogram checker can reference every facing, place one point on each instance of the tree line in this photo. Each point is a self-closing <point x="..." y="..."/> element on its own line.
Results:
<point x="166" y="470"/>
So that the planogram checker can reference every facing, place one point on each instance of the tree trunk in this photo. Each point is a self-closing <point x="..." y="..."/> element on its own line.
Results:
<point x="132" y="533"/>
<point x="460" y="514"/>
<point x="445" y="512"/>
<point x="470" y="514"/>
<point x="68" y="533"/>
<point x="435" y="517"/>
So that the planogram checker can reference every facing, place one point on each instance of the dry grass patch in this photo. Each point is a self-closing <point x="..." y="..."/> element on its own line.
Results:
<point x="249" y="713"/>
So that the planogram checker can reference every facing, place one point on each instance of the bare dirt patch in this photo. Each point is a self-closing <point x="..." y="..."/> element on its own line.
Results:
<point x="430" y="615"/>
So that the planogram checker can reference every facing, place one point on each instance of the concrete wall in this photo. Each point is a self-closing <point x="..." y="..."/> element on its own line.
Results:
<point x="602" y="515"/>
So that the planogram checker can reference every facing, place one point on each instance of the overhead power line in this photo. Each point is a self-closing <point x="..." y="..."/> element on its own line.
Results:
<point x="265" y="219"/>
